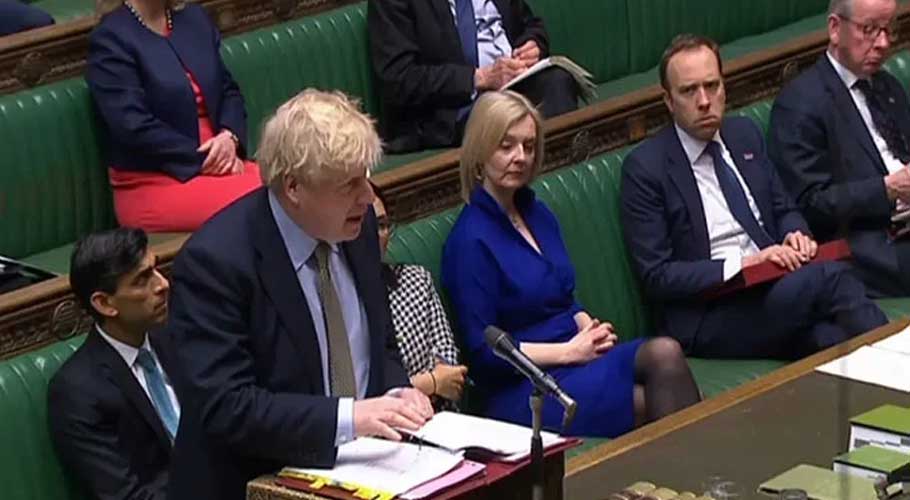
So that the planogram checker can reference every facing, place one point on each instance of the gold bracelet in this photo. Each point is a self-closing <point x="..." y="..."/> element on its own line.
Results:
<point x="434" y="382"/>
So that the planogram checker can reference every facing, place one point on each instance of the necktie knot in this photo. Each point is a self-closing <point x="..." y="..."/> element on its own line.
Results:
<point x="145" y="360"/>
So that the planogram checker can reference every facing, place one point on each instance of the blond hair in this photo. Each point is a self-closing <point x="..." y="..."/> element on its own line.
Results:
<point x="493" y="115"/>
<point x="316" y="137"/>
<point x="105" y="7"/>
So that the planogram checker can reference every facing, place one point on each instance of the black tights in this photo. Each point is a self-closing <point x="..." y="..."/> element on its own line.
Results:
<point x="663" y="382"/>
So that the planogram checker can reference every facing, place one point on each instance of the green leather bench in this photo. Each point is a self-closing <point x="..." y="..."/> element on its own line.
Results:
<point x="53" y="185"/>
<point x="65" y="10"/>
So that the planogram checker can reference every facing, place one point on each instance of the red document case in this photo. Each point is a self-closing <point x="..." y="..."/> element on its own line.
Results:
<point x="769" y="271"/>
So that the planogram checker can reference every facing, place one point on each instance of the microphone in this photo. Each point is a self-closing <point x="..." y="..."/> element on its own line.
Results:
<point x="504" y="346"/>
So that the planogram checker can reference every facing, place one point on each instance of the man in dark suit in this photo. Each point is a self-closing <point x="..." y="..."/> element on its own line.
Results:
<point x="16" y="16"/>
<point x="280" y="317"/>
<point x="112" y="411"/>
<point x="701" y="201"/>
<point x="433" y="57"/>
<point x="839" y="136"/>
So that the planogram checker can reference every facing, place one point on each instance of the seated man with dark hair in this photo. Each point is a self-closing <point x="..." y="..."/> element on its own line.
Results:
<point x="112" y="411"/>
<point x="16" y="16"/>
<point x="701" y="201"/>
<point x="434" y="58"/>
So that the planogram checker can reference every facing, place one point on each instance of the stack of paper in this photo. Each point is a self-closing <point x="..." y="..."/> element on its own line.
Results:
<point x="385" y="467"/>
<point x="458" y="432"/>
<point x="899" y="342"/>
<point x="587" y="88"/>
<point x="873" y="365"/>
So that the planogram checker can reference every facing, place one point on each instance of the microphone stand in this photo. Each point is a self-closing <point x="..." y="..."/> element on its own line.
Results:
<point x="538" y="471"/>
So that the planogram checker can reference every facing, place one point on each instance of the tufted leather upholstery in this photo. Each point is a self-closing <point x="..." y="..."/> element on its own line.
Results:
<point x="52" y="185"/>
<point x="326" y="51"/>
<point x="65" y="10"/>
<point x="29" y="469"/>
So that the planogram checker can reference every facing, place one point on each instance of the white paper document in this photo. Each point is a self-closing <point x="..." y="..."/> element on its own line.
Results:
<point x="456" y="431"/>
<point x="899" y="342"/>
<point x="581" y="76"/>
<point x="873" y="366"/>
<point x="386" y="466"/>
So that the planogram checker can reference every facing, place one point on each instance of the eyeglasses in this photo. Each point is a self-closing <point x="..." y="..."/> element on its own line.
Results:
<point x="871" y="31"/>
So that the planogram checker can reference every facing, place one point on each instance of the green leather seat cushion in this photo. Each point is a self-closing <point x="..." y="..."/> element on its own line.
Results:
<point x="57" y="260"/>
<point x="66" y="10"/>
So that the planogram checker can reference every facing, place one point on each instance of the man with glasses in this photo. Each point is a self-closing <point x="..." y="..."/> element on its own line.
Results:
<point x="840" y="136"/>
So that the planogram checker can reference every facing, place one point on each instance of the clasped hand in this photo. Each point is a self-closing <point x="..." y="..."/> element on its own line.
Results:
<point x="222" y="155"/>
<point x="593" y="339"/>
<point x="796" y="250"/>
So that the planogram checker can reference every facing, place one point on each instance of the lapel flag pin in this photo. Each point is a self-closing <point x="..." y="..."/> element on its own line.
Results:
<point x="748" y="156"/>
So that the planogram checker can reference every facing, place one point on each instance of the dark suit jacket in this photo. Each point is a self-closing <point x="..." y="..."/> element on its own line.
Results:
<point x="664" y="220"/>
<point x="830" y="165"/>
<point x="103" y="426"/>
<point x="251" y="374"/>
<point x="16" y="16"/>
<point x="423" y="75"/>
<point x="140" y="89"/>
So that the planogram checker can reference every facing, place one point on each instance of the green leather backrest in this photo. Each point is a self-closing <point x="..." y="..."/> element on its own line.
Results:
<point x="653" y="23"/>
<point x="326" y="51"/>
<point x="593" y="33"/>
<point x="29" y="469"/>
<point x="53" y="187"/>
<point x="585" y="199"/>
<point x="65" y="10"/>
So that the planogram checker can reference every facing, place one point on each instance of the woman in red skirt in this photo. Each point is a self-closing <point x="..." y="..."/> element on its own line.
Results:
<point x="175" y="119"/>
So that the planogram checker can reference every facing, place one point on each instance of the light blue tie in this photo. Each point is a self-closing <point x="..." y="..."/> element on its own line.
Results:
<point x="160" y="399"/>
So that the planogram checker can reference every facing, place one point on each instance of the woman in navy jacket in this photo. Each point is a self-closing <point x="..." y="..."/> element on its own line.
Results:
<point x="175" y="118"/>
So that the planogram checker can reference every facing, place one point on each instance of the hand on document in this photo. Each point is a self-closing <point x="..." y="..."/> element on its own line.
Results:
<point x="406" y="408"/>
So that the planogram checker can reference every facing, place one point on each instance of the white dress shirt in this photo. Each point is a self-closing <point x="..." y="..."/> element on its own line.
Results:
<point x="300" y="247"/>
<point x="492" y="42"/>
<point x="728" y="240"/>
<point x="892" y="163"/>
<point x="129" y="355"/>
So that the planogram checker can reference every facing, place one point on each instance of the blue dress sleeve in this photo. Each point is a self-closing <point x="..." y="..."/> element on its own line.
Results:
<point x="471" y="278"/>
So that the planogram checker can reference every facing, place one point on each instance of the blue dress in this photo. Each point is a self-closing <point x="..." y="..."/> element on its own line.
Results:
<point x="494" y="277"/>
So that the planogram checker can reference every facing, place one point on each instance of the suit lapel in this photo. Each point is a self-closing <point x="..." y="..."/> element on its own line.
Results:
<point x="279" y="279"/>
<point x="844" y="105"/>
<point x="112" y="365"/>
<point x="681" y="173"/>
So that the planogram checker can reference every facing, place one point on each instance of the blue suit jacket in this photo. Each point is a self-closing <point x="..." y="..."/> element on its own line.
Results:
<point x="140" y="88"/>
<point x="664" y="219"/>
<point x="830" y="165"/>
<point x="249" y="374"/>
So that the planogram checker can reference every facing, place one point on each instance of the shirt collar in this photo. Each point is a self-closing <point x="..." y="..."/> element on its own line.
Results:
<point x="299" y="244"/>
<point x="693" y="146"/>
<point x="126" y="351"/>
<point x="846" y="76"/>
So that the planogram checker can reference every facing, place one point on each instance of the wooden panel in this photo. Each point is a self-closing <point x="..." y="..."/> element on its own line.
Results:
<point x="56" y="52"/>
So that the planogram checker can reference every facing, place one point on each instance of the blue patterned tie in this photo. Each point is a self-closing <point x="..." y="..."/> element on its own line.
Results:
<point x="736" y="197"/>
<point x="160" y="399"/>
<point x="467" y="29"/>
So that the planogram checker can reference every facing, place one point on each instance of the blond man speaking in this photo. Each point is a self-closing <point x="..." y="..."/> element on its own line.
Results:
<point x="279" y="314"/>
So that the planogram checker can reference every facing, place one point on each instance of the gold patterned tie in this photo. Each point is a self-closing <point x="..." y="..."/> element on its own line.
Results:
<point x="341" y="367"/>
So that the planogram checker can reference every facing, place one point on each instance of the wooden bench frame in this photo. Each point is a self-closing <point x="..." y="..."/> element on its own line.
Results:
<point x="45" y="313"/>
<point x="53" y="53"/>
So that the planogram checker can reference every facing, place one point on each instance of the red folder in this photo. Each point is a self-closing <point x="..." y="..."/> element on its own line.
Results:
<point x="769" y="271"/>
<point x="495" y="471"/>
